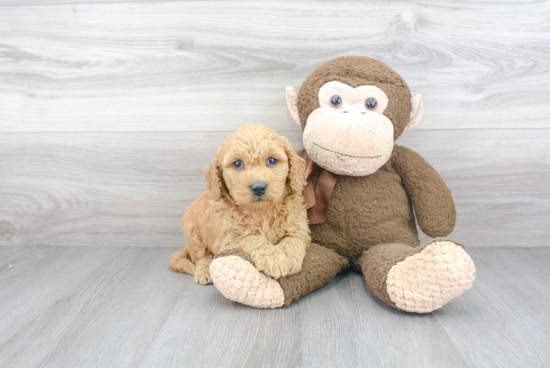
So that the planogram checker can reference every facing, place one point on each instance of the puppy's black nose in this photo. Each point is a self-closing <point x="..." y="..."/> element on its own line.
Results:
<point x="258" y="188"/>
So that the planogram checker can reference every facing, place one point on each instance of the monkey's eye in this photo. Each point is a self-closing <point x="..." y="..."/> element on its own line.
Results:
<point x="237" y="165"/>
<point x="271" y="161"/>
<point x="336" y="101"/>
<point x="371" y="103"/>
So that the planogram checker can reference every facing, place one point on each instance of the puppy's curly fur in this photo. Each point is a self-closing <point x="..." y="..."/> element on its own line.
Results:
<point x="272" y="228"/>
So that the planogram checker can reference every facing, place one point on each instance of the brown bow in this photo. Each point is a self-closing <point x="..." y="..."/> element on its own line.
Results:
<point x="317" y="199"/>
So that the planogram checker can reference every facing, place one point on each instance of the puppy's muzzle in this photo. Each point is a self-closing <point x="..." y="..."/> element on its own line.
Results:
<point x="258" y="188"/>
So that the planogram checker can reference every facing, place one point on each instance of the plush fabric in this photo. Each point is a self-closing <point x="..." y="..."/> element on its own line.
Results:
<point x="320" y="266"/>
<point x="418" y="279"/>
<point x="357" y="71"/>
<point x="432" y="200"/>
<point x="368" y="221"/>
<point x="425" y="281"/>
<point x="366" y="146"/>
<point x="237" y="278"/>
<point x="365" y="211"/>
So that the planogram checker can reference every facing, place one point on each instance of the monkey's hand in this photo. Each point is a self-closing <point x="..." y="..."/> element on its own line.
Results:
<point x="432" y="200"/>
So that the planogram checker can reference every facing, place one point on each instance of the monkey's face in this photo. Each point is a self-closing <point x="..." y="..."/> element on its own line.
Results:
<point x="349" y="133"/>
<point x="351" y="110"/>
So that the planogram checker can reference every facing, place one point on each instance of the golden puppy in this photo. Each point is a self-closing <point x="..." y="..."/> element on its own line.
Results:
<point x="254" y="203"/>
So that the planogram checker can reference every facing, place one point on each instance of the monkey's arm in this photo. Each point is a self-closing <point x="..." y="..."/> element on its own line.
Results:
<point x="433" y="204"/>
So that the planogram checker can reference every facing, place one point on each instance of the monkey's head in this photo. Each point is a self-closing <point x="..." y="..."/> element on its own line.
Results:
<point x="352" y="109"/>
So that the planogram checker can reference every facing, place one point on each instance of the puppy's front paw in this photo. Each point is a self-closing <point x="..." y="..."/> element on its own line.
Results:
<point x="202" y="276"/>
<point x="272" y="261"/>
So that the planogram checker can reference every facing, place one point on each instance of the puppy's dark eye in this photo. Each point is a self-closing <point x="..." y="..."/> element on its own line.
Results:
<point x="271" y="161"/>
<point x="237" y="165"/>
<point x="371" y="103"/>
<point x="336" y="101"/>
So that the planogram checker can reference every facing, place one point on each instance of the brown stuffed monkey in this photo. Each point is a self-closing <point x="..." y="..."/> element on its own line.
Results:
<point x="360" y="197"/>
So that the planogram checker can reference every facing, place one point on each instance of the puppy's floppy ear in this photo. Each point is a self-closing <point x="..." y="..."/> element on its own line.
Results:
<point x="214" y="179"/>
<point x="297" y="168"/>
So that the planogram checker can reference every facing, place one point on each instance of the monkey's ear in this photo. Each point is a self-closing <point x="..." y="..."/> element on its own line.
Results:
<point x="416" y="113"/>
<point x="291" y="98"/>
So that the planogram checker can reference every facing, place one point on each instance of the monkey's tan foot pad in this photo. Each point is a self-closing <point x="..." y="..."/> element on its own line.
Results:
<point x="237" y="279"/>
<point x="425" y="281"/>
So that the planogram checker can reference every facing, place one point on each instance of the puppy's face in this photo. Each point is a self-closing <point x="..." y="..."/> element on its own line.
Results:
<point x="256" y="168"/>
<point x="255" y="172"/>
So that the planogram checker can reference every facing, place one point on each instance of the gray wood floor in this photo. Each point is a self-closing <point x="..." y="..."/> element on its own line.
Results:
<point x="118" y="307"/>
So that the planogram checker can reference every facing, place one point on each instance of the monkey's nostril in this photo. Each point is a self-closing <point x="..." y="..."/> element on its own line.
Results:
<point x="258" y="188"/>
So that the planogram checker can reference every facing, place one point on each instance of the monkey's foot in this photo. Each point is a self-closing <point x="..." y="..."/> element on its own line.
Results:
<point x="425" y="281"/>
<point x="237" y="279"/>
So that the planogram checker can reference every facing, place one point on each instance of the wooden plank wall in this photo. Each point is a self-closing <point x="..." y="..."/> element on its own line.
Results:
<point x="111" y="110"/>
